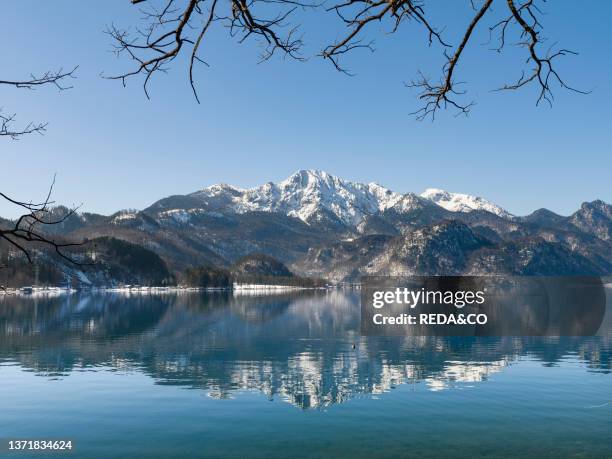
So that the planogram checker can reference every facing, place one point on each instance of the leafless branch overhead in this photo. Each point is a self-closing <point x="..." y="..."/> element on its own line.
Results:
<point x="177" y="27"/>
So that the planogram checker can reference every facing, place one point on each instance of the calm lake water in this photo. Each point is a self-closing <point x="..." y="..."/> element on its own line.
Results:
<point x="195" y="375"/>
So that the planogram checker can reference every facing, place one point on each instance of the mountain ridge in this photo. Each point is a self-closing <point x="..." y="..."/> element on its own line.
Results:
<point x="320" y="225"/>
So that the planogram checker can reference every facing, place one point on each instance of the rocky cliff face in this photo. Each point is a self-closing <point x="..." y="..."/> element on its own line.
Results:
<point x="594" y="218"/>
<point x="441" y="248"/>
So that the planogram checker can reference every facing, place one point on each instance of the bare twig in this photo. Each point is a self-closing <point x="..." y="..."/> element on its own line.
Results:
<point x="48" y="78"/>
<point x="7" y="130"/>
<point x="358" y="14"/>
<point x="25" y="230"/>
<point x="437" y="95"/>
<point x="56" y="79"/>
<point x="169" y="31"/>
<point x="543" y="71"/>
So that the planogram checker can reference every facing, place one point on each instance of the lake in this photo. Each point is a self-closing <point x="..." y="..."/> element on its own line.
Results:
<point x="225" y="375"/>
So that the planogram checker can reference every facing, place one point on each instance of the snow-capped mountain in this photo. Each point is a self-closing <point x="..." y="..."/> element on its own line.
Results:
<point x="313" y="195"/>
<point x="310" y="195"/>
<point x="321" y="226"/>
<point x="458" y="202"/>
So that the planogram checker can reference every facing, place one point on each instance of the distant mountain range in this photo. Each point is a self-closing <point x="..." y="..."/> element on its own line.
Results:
<point x="320" y="225"/>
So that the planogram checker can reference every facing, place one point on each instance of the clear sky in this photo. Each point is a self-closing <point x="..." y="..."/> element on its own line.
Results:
<point x="112" y="148"/>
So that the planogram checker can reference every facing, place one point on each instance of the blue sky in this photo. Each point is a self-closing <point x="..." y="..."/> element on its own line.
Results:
<point x="112" y="148"/>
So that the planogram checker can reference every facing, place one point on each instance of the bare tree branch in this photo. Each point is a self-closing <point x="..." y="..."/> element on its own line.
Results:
<point x="181" y="24"/>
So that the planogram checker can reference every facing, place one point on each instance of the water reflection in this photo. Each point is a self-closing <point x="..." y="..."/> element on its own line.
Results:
<point x="303" y="348"/>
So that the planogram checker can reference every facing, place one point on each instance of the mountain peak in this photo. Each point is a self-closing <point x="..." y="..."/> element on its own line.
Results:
<point x="220" y="188"/>
<point x="597" y="204"/>
<point x="431" y="192"/>
<point x="595" y="217"/>
<point x="309" y="177"/>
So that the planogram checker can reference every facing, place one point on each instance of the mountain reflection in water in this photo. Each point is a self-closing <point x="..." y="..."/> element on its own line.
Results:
<point x="303" y="348"/>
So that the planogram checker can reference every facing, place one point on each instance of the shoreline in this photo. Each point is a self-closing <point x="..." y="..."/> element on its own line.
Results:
<point x="236" y="289"/>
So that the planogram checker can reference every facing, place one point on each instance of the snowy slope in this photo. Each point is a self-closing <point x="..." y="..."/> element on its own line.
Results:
<point x="458" y="202"/>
